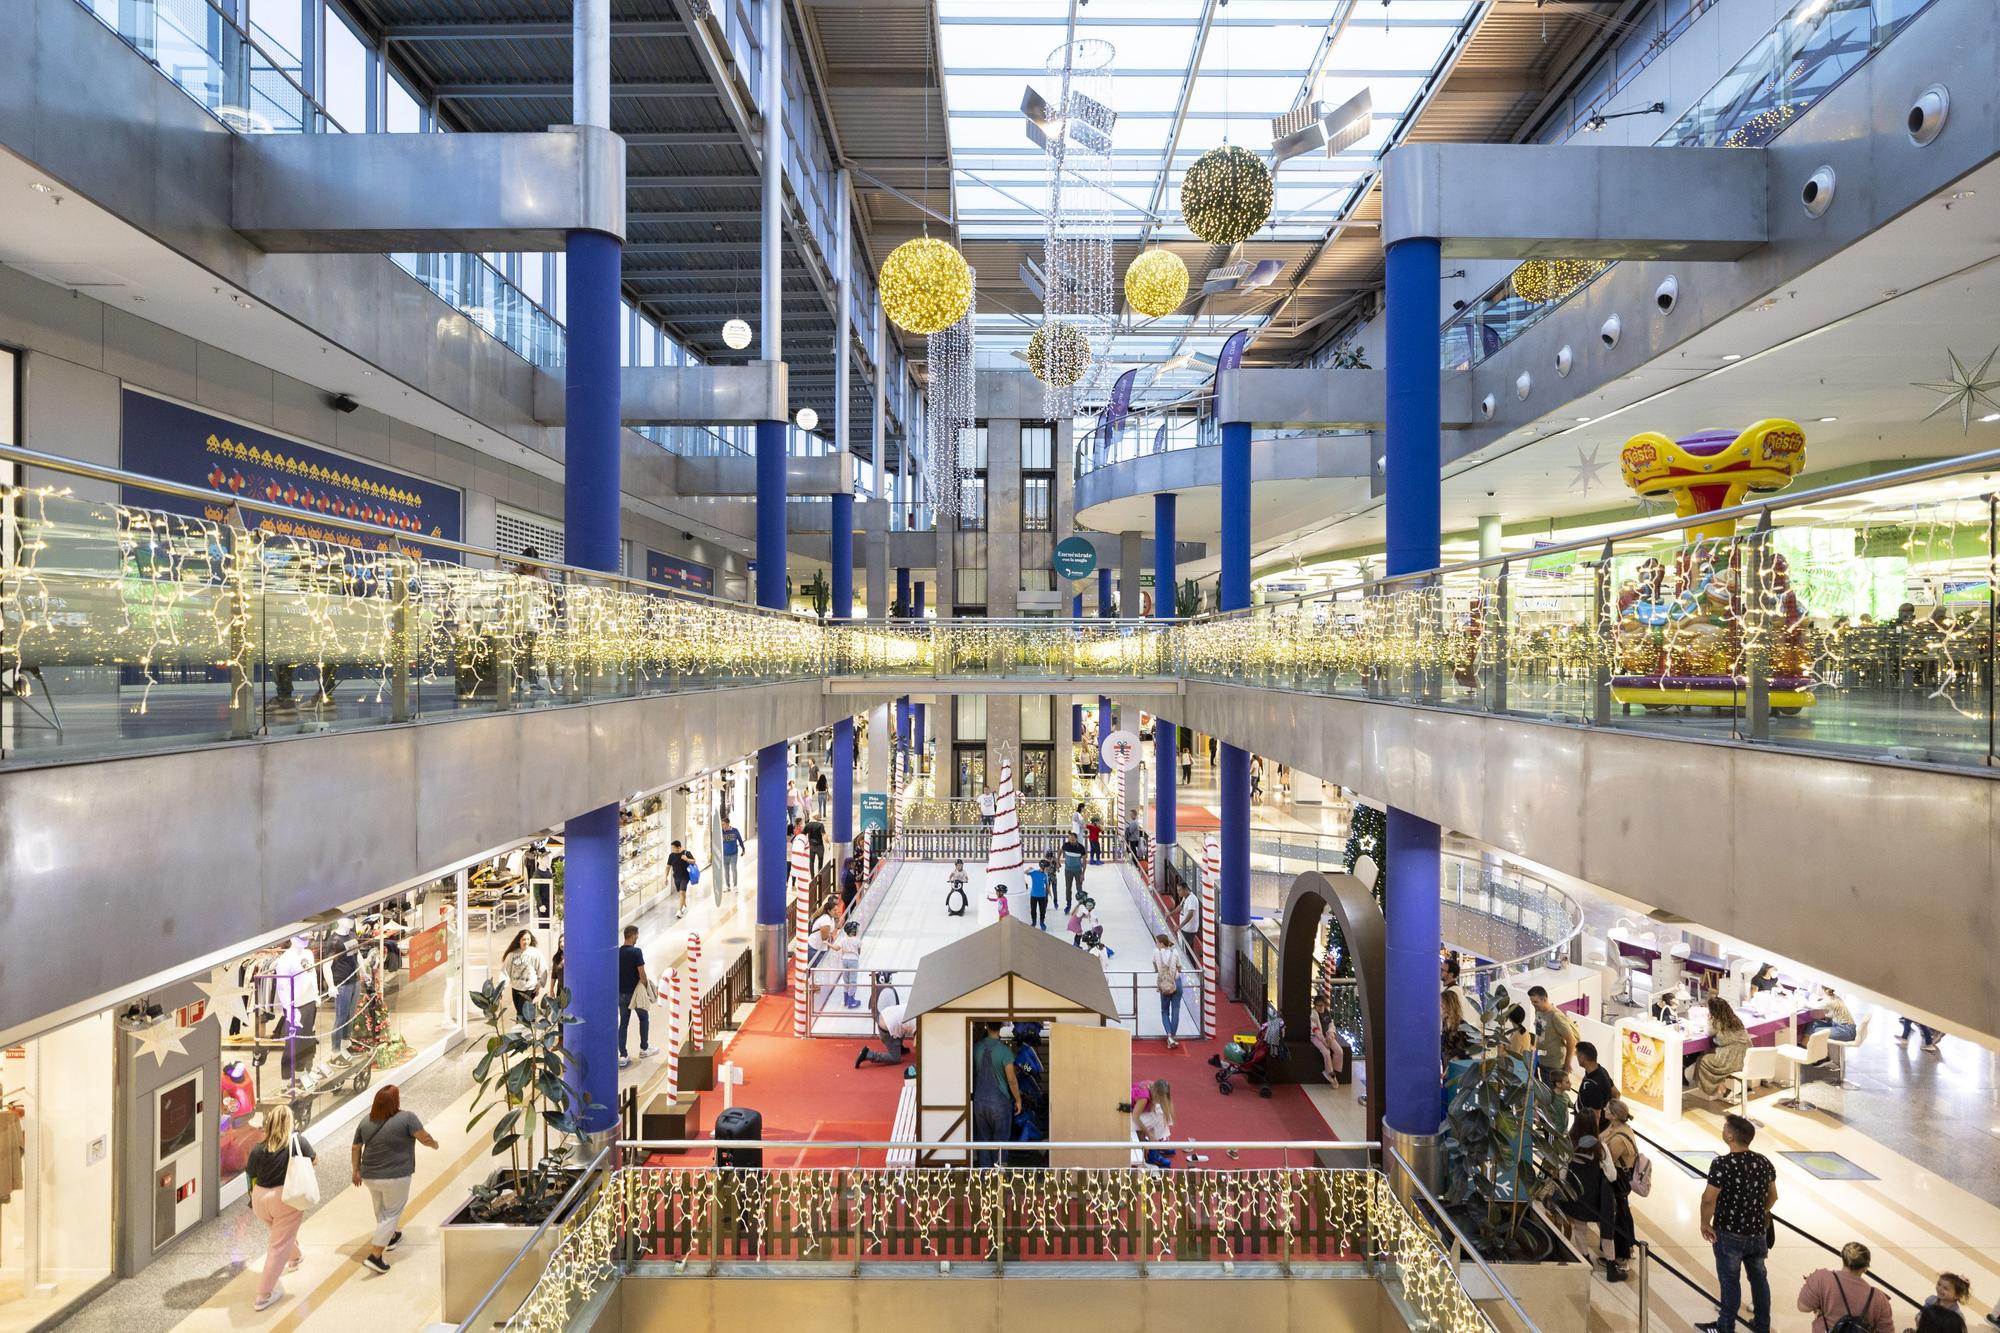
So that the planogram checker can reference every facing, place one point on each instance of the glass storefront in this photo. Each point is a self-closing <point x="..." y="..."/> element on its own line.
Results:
<point x="56" y="1170"/>
<point x="336" y="1009"/>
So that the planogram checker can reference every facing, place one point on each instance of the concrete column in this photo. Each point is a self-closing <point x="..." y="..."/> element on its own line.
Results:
<point x="878" y="748"/>
<point x="1131" y="558"/>
<point x="773" y="944"/>
<point x="591" y="495"/>
<point x="1411" y="501"/>
<point x="1166" y="770"/>
<point x="878" y="575"/>
<point x="1489" y="536"/>
<point x="1233" y="763"/>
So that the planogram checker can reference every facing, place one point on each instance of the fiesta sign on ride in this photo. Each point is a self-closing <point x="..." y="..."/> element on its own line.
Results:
<point x="1679" y="635"/>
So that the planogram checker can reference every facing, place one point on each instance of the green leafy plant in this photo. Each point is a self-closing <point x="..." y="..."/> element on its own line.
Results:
<point x="528" y="1075"/>
<point x="1351" y="356"/>
<point x="1504" y="1139"/>
<point x="1187" y="598"/>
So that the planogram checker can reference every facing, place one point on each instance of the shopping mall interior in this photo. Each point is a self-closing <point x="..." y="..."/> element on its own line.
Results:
<point x="936" y="557"/>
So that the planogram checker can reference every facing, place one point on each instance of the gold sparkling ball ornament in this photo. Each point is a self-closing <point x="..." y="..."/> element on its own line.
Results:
<point x="926" y="286"/>
<point x="1156" y="283"/>
<point x="1226" y="195"/>
<point x="1541" y="280"/>
<point x="1059" y="353"/>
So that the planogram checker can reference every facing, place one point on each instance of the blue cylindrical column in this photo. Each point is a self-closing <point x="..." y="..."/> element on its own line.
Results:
<point x="841" y="756"/>
<point x="1232" y="907"/>
<point x="591" y="541"/>
<point x="916" y="736"/>
<point x="1076" y="607"/>
<point x="917" y="606"/>
<point x="1103" y="730"/>
<point x="772" y="595"/>
<point x="902" y="756"/>
<point x="903" y="591"/>
<point x="1104" y="590"/>
<point x="1075" y="723"/>
<point x="771" y="868"/>
<point x="843" y="556"/>
<point x="1166" y="769"/>
<point x="1411" y="489"/>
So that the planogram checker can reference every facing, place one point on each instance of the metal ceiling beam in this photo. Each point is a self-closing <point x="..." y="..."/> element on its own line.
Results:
<point x="509" y="30"/>
<point x="697" y="215"/>
<point x="691" y="248"/>
<point x="682" y="139"/>
<point x="891" y="190"/>
<point x="691" y="182"/>
<point x="561" y="89"/>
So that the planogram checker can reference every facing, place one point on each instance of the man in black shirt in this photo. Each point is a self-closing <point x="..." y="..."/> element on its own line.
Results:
<point x="816" y="842"/>
<point x="1736" y="1220"/>
<point x="679" y="861"/>
<point x="1597" y="1089"/>
<point x="631" y="978"/>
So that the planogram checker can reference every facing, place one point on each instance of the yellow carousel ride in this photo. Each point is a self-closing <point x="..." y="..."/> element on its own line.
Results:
<point x="1680" y="632"/>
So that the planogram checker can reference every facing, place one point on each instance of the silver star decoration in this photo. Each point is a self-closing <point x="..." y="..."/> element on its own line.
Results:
<point x="159" y="1039"/>
<point x="1585" y="472"/>
<point x="226" y="998"/>
<point x="1965" y="390"/>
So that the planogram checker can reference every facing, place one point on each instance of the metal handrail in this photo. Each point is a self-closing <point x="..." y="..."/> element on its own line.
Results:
<point x="1985" y="459"/>
<point x="1008" y="1145"/>
<point x="1830" y="1248"/>
<point x="101" y="472"/>
<point x="1460" y="1242"/>
<point x="471" y="1320"/>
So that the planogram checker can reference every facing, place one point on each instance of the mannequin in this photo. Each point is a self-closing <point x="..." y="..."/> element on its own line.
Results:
<point x="298" y="995"/>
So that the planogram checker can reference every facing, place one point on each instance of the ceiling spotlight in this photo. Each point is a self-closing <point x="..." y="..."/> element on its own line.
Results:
<point x="1732" y="356"/>
<point x="1310" y="127"/>
<point x="1991" y="416"/>
<point x="1241" y="276"/>
<point x="1824" y="420"/>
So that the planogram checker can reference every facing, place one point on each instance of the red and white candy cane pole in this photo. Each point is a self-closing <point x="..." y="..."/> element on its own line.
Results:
<point x="697" y="1038"/>
<point x="1211" y="873"/>
<point x="801" y="864"/>
<point x="674" y="1034"/>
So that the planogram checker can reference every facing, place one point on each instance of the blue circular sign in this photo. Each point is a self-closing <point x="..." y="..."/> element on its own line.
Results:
<point x="1076" y="558"/>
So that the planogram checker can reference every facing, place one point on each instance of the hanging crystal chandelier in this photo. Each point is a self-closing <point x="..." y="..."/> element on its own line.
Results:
<point x="949" y="409"/>
<point x="1076" y="249"/>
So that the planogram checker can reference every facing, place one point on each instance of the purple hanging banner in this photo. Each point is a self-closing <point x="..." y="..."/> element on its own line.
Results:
<point x="1160" y="438"/>
<point x="1112" y="421"/>
<point x="1231" y="356"/>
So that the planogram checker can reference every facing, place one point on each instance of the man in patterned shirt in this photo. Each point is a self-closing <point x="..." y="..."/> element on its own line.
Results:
<point x="1736" y="1220"/>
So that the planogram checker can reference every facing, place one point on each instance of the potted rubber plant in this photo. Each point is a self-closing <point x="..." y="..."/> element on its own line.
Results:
<point x="525" y="1088"/>
<point x="1506" y="1151"/>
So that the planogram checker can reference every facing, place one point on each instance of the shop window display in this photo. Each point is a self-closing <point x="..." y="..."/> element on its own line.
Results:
<point x="332" y="1009"/>
<point x="56" y="1170"/>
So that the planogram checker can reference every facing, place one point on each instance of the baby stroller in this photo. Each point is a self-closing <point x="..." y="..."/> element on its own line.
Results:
<point x="1252" y="1064"/>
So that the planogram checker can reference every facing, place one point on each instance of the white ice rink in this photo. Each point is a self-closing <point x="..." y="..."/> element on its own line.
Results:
<point x="910" y="920"/>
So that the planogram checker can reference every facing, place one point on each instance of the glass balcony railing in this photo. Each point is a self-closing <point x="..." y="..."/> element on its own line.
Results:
<point x="209" y="56"/>
<point x="1854" y="620"/>
<point x="840" y="1211"/>
<point x="1803" y="57"/>
<point x="483" y="296"/>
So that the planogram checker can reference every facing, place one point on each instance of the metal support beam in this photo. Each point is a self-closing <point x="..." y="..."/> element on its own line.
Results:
<point x="461" y="92"/>
<point x="1519" y="201"/>
<point x="499" y="29"/>
<point x="371" y="193"/>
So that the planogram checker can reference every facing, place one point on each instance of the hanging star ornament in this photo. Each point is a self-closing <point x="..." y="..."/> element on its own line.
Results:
<point x="1585" y="472"/>
<point x="227" y="998"/>
<point x="161" y="1038"/>
<point x="1965" y="389"/>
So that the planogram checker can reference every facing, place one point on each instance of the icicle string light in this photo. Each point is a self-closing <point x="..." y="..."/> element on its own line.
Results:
<point x="1076" y="248"/>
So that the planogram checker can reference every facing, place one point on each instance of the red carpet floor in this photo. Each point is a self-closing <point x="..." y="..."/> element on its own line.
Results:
<point x="810" y="1090"/>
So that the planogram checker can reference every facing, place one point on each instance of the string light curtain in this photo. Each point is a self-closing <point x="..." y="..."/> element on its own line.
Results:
<point x="949" y="409"/>
<point x="1076" y="249"/>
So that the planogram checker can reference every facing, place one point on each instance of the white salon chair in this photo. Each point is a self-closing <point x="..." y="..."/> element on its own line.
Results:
<point x="1797" y="1058"/>
<point x="1840" y="1060"/>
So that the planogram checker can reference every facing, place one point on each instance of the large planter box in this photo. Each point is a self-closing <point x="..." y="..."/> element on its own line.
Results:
<point x="1555" y="1292"/>
<point x="698" y="1066"/>
<point x="473" y="1255"/>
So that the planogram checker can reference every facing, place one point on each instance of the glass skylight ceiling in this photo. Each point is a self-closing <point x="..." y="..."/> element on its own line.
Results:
<point x="1259" y="62"/>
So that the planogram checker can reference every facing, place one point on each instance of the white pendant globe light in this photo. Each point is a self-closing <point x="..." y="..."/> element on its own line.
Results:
<point x="807" y="419"/>
<point x="736" y="334"/>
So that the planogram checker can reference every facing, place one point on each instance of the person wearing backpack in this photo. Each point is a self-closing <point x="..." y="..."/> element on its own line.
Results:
<point x="1621" y="1145"/>
<point x="1736" y="1221"/>
<point x="1167" y="977"/>
<point x="1843" y="1300"/>
<point x="270" y="1170"/>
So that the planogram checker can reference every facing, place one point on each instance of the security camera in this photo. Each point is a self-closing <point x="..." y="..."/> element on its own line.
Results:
<point x="1489" y="495"/>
